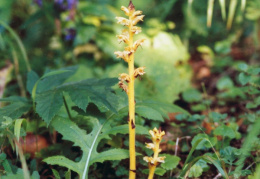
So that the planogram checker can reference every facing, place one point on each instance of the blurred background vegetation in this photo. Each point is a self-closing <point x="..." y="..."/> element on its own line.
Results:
<point x="56" y="33"/>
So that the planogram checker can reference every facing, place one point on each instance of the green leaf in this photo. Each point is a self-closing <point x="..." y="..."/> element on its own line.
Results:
<point x="113" y="154"/>
<point x="12" y="99"/>
<point x="84" y="34"/>
<point x="242" y="67"/>
<point x="228" y="154"/>
<point x="159" y="171"/>
<point x="225" y="131"/>
<point x="15" y="109"/>
<point x="244" y="78"/>
<point x="195" y="171"/>
<point x="56" y="174"/>
<point x="52" y="73"/>
<point x="217" y="117"/>
<point x="48" y="104"/>
<point x="192" y="95"/>
<point x="149" y="113"/>
<point x="63" y="161"/>
<point x="171" y="161"/>
<point x="20" y="174"/>
<point x="54" y="78"/>
<point x="32" y="78"/>
<point x="68" y="174"/>
<point x="81" y="93"/>
<point x="205" y="141"/>
<point x="254" y="71"/>
<point x="123" y="129"/>
<point x="163" y="108"/>
<point x="87" y="142"/>
<point x="224" y="83"/>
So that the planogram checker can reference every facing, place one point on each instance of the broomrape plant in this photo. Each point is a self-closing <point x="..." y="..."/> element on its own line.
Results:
<point x="126" y="81"/>
<point x="155" y="146"/>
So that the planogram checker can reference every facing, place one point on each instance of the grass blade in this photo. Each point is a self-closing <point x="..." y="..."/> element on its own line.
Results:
<point x="243" y="5"/>
<point x="19" y="42"/>
<point x="223" y="8"/>
<point x="231" y="13"/>
<point x="210" y="12"/>
<point x="17" y="130"/>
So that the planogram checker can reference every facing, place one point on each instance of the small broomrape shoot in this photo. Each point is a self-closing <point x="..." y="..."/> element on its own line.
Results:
<point x="155" y="146"/>
<point x="126" y="81"/>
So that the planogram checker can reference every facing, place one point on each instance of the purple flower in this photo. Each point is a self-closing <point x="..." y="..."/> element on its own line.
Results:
<point x="38" y="2"/>
<point x="70" y="34"/>
<point x="72" y="4"/>
<point x="66" y="4"/>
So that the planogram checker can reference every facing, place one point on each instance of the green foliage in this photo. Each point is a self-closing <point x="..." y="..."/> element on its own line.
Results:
<point x="17" y="107"/>
<point x="192" y="95"/>
<point x="171" y="162"/>
<point x="195" y="171"/>
<point x="225" y="131"/>
<point x="248" y="145"/>
<point x="20" y="174"/>
<point x="88" y="143"/>
<point x="49" y="102"/>
<point x="206" y="142"/>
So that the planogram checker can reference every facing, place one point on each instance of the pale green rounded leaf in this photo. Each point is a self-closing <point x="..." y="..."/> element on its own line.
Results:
<point x="170" y="162"/>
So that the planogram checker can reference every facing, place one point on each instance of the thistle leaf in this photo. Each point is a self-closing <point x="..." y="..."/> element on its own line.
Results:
<point x="88" y="142"/>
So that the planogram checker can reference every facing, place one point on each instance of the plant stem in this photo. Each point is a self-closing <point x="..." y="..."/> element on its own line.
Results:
<point x="151" y="171"/>
<point x="131" y="103"/>
<point x="18" y="75"/>
<point x="67" y="107"/>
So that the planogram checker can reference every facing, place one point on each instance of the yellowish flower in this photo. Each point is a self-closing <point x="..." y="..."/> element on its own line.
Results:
<point x="123" y="86"/>
<point x="138" y="43"/>
<point x="124" y="37"/>
<point x="156" y="135"/>
<point x="123" y="8"/>
<point x="154" y="161"/>
<point x="139" y="72"/>
<point x="149" y="159"/>
<point x="124" y="55"/>
<point x="160" y="159"/>
<point x="149" y="145"/>
<point x="124" y="77"/>
<point x="137" y="13"/>
<point x="123" y="21"/>
<point x="136" y="30"/>
<point x="137" y="19"/>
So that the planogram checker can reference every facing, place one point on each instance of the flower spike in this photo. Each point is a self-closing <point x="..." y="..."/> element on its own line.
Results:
<point x="155" y="146"/>
<point x="127" y="55"/>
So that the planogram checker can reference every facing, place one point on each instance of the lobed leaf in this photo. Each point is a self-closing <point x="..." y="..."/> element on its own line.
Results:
<point x="82" y="93"/>
<point x="88" y="142"/>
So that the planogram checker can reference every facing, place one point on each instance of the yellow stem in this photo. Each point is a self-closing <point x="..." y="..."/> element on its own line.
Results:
<point x="131" y="102"/>
<point x="151" y="171"/>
